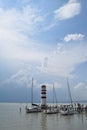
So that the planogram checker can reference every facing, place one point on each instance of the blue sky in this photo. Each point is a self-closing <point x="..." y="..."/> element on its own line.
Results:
<point x="46" y="40"/>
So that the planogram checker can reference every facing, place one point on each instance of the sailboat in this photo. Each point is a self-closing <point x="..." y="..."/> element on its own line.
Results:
<point x="52" y="110"/>
<point x="68" y="109"/>
<point x="34" y="107"/>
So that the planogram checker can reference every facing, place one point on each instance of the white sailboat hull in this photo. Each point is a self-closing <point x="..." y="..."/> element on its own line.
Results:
<point x="52" y="111"/>
<point x="68" y="110"/>
<point x="33" y="110"/>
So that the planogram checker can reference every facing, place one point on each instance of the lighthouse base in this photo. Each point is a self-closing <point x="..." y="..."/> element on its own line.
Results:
<point x="43" y="106"/>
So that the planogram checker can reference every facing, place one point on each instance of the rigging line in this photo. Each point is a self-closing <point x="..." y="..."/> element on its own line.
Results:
<point x="54" y="93"/>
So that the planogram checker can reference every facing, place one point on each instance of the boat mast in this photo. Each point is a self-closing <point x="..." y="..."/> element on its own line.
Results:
<point x="54" y="94"/>
<point x="32" y="92"/>
<point x="69" y="91"/>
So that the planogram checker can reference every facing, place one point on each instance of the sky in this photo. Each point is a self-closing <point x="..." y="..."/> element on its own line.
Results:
<point x="46" y="40"/>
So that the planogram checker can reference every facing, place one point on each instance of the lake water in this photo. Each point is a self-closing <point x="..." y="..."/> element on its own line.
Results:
<point x="12" y="119"/>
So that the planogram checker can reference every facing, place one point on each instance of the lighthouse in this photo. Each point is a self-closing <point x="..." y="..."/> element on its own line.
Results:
<point x="43" y="97"/>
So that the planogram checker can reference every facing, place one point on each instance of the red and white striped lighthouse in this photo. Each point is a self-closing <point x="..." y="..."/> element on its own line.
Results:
<point x="43" y="96"/>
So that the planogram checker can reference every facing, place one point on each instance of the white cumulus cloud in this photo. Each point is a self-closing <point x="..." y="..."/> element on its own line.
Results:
<point x="67" y="11"/>
<point x="73" y="37"/>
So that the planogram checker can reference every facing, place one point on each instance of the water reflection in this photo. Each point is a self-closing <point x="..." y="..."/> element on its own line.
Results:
<point x="48" y="121"/>
<point x="43" y="121"/>
<point x="12" y="119"/>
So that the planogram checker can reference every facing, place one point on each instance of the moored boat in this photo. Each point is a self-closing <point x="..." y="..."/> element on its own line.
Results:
<point x="50" y="111"/>
<point x="34" y="107"/>
<point x="33" y="110"/>
<point x="67" y="110"/>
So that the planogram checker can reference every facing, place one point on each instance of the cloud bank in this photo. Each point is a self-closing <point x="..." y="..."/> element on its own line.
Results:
<point x="64" y="60"/>
<point x="17" y="26"/>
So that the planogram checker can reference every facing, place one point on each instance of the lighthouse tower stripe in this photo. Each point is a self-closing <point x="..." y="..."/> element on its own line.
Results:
<point x="43" y="92"/>
<point x="43" y="95"/>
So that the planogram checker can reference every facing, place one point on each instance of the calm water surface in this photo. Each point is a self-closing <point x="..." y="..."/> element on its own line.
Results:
<point x="12" y="119"/>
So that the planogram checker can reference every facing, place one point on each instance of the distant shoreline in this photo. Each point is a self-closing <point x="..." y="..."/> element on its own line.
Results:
<point x="79" y="101"/>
